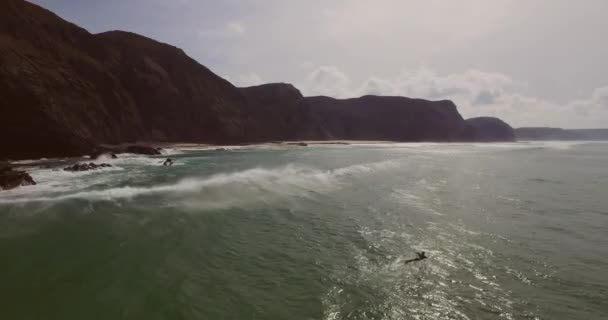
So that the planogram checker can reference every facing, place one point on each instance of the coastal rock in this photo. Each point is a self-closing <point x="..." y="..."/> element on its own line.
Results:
<point x="142" y="149"/>
<point x="299" y="144"/>
<point x="98" y="155"/>
<point x="11" y="179"/>
<point x="112" y="150"/>
<point x="86" y="167"/>
<point x="4" y="167"/>
<point x="489" y="129"/>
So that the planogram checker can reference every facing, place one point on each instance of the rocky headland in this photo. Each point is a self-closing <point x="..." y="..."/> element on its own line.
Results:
<point x="67" y="92"/>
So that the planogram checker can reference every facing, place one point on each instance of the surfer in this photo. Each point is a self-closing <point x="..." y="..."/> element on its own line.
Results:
<point x="168" y="162"/>
<point x="420" y="256"/>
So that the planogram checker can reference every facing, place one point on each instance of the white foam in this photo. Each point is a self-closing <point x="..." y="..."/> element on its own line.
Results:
<point x="30" y="161"/>
<point x="219" y="189"/>
<point x="54" y="181"/>
<point x="130" y="160"/>
<point x="229" y="147"/>
<point x="560" y="145"/>
<point x="171" y="151"/>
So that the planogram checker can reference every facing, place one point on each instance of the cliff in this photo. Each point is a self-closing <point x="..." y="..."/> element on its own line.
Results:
<point x="278" y="111"/>
<point x="489" y="129"/>
<point x="545" y="133"/>
<point x="65" y="91"/>
<point x="390" y="118"/>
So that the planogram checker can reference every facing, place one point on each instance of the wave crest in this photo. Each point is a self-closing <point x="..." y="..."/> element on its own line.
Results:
<point x="256" y="183"/>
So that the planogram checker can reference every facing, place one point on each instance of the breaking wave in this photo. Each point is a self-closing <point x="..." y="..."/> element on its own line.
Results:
<point x="219" y="188"/>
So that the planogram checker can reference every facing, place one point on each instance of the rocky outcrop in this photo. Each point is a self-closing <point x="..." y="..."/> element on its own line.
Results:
<point x="112" y="150"/>
<point x="488" y="129"/>
<point x="86" y="167"/>
<point x="101" y="155"/>
<point x="4" y="167"/>
<point x="11" y="179"/>
<point x="140" y="149"/>
<point x="545" y="133"/>
<point x="389" y="118"/>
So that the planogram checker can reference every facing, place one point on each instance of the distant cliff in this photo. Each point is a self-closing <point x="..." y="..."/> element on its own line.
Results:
<point x="390" y="118"/>
<point x="278" y="111"/>
<point x="489" y="129"/>
<point x="64" y="91"/>
<point x="545" y="133"/>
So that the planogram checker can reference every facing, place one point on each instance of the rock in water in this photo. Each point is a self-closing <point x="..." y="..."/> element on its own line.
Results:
<point x="11" y="179"/>
<point x="142" y="149"/>
<point x="86" y="167"/>
<point x="97" y="155"/>
<point x="4" y="167"/>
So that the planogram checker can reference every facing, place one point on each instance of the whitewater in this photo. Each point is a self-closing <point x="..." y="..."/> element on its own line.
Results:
<point x="512" y="231"/>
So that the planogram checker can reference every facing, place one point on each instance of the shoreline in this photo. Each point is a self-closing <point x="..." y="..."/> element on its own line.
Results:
<point x="115" y="148"/>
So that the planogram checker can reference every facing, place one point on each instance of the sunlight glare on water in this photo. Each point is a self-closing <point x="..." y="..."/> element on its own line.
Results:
<point x="512" y="231"/>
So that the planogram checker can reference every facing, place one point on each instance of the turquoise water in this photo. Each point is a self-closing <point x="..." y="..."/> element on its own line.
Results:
<point x="512" y="231"/>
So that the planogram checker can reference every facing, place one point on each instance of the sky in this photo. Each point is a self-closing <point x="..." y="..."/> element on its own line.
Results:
<point x="529" y="62"/>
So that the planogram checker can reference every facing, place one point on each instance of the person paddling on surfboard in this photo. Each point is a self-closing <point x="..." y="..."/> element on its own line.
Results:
<point x="420" y="256"/>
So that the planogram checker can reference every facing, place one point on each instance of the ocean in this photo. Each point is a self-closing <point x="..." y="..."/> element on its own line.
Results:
<point x="511" y="231"/>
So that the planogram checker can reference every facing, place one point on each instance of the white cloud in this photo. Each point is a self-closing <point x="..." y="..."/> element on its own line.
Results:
<point x="229" y="30"/>
<point x="477" y="93"/>
<point x="600" y="97"/>
<point x="553" y="46"/>
<point x="327" y="80"/>
<point x="245" y="80"/>
<point x="446" y="20"/>
<point x="235" y="28"/>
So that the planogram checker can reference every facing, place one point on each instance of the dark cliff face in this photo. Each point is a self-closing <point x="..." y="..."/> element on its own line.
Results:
<point x="390" y="118"/>
<point x="65" y="91"/>
<point x="56" y="99"/>
<point x="488" y="129"/>
<point x="177" y="98"/>
<point x="278" y="111"/>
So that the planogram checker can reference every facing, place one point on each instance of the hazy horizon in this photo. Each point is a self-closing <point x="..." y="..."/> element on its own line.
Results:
<point x="530" y="63"/>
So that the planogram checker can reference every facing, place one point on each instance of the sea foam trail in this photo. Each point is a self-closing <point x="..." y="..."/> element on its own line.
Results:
<point x="288" y="180"/>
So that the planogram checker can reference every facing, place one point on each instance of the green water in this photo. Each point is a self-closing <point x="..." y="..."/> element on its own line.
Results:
<point x="512" y="231"/>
